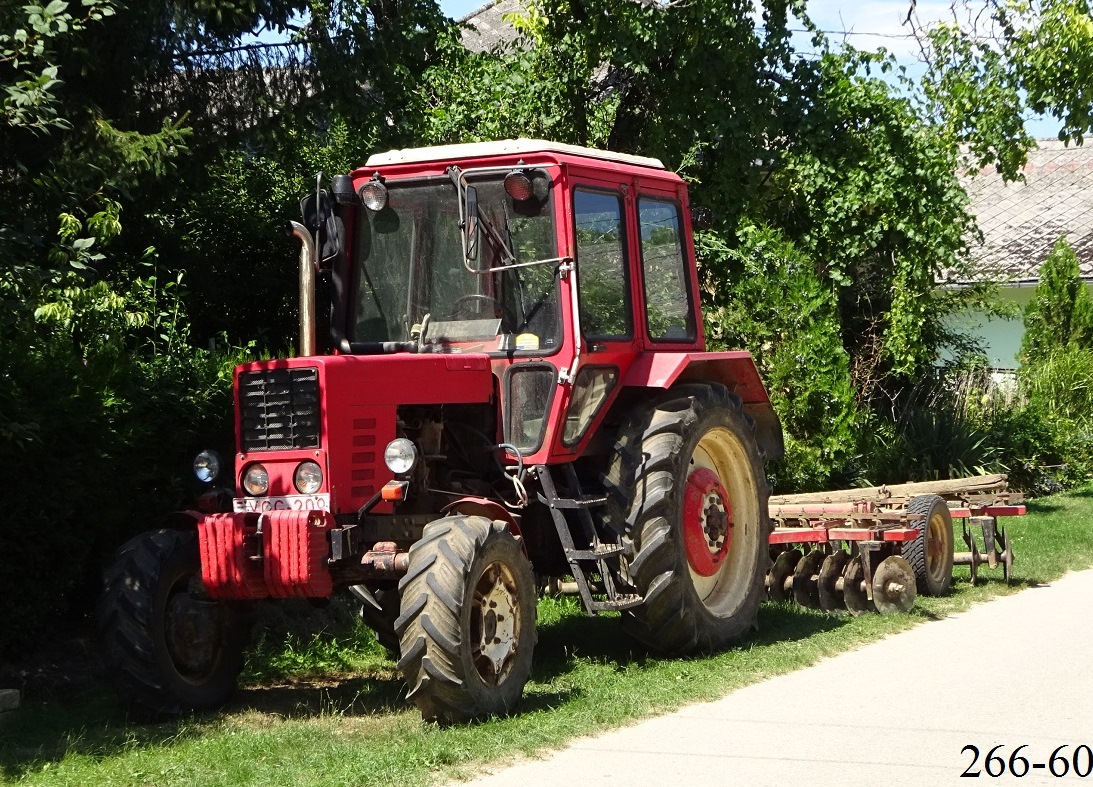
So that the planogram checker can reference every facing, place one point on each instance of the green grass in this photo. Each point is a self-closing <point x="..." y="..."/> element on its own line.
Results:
<point x="330" y="713"/>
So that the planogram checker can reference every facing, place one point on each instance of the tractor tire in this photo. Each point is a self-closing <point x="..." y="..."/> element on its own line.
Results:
<point x="467" y="627"/>
<point x="688" y="477"/>
<point x="165" y="649"/>
<point x="382" y="620"/>
<point x="931" y="554"/>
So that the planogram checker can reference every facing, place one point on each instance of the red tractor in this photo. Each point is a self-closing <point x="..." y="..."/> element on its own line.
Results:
<point x="518" y="391"/>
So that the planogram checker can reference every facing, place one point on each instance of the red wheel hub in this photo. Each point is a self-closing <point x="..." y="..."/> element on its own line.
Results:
<point x="707" y="522"/>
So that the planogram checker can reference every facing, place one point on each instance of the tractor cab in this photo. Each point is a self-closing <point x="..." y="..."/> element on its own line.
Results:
<point x="561" y="264"/>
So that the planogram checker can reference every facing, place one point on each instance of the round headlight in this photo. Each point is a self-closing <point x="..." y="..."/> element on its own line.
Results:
<point x="374" y="195"/>
<point x="308" y="478"/>
<point x="400" y="456"/>
<point x="256" y="480"/>
<point x="207" y="466"/>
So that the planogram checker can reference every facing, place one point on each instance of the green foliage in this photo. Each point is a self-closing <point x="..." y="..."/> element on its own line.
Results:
<point x="28" y="58"/>
<point x="1060" y="314"/>
<point x="993" y="63"/>
<point x="1061" y="382"/>
<point x="102" y="406"/>
<point x="868" y="189"/>
<point x="769" y="300"/>
<point x="931" y="441"/>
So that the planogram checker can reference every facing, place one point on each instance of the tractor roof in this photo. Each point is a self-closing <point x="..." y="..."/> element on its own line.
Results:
<point x="503" y="148"/>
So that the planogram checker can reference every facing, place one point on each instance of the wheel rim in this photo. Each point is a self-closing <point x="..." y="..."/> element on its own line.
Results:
<point x="495" y="623"/>
<point x="707" y="521"/>
<point x="937" y="548"/>
<point x="192" y="632"/>
<point x="720" y="520"/>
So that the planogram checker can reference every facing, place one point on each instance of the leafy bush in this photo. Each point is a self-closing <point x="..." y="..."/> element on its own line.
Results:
<point x="772" y="303"/>
<point x="102" y="404"/>
<point x="929" y="442"/>
<point x="1061" y="311"/>
<point x="1050" y="438"/>
<point x="1061" y="383"/>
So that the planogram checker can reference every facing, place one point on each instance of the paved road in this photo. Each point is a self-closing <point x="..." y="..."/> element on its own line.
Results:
<point x="1015" y="670"/>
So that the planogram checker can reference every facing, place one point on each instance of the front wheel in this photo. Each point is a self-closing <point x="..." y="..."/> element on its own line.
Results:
<point x="697" y="521"/>
<point x="931" y="553"/>
<point x="467" y="622"/>
<point x="167" y="648"/>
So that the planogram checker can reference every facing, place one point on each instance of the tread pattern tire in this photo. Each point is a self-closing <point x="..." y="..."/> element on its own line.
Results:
<point x="435" y="625"/>
<point x="936" y="512"/>
<point x="382" y="620"/>
<point x="152" y="574"/>
<point x="646" y="480"/>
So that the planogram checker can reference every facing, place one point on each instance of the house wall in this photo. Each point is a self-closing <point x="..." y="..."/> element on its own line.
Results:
<point x="1001" y="338"/>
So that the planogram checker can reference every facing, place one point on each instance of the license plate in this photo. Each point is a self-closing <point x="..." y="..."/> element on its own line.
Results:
<point x="320" y="502"/>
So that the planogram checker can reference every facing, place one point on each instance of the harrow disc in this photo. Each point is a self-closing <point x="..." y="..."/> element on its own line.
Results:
<point x="894" y="586"/>
<point x="854" y="597"/>
<point x="804" y="579"/>
<point x="827" y="585"/>
<point x="780" y="572"/>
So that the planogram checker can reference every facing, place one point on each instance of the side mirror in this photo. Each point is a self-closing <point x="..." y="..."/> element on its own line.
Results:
<point x="470" y="224"/>
<point x="319" y="218"/>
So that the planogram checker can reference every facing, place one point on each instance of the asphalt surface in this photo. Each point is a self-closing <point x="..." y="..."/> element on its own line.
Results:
<point x="1016" y="670"/>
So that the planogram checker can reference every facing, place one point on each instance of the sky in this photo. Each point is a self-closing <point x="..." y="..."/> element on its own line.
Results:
<point x="869" y="24"/>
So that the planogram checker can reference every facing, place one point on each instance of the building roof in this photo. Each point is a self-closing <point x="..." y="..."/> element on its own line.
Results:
<point x="1021" y="222"/>
<point x="486" y="26"/>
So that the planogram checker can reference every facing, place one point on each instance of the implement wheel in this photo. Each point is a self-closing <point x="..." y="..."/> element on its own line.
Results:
<point x="696" y="523"/>
<point x="931" y="554"/>
<point x="167" y="648"/>
<point x="827" y="589"/>
<point x="467" y="627"/>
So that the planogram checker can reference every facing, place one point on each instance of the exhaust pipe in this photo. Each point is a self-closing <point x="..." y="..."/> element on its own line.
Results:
<point x="307" y="287"/>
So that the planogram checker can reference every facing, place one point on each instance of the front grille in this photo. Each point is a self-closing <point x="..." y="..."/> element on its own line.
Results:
<point x="279" y="409"/>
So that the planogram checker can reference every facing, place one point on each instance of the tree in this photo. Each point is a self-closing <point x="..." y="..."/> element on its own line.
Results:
<point x="993" y="62"/>
<point x="1060" y="314"/>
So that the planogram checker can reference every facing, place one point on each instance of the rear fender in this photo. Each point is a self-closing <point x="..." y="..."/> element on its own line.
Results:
<point x="735" y="370"/>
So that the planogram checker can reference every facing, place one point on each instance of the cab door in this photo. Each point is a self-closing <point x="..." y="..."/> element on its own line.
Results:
<point x="603" y="247"/>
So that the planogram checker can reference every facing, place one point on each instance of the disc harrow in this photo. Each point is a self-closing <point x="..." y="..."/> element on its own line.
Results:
<point x="853" y="551"/>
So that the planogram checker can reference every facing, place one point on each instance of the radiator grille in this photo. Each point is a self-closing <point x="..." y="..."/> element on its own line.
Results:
<point x="279" y="409"/>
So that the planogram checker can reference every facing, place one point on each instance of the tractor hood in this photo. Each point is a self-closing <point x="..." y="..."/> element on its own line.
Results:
<point x="341" y="411"/>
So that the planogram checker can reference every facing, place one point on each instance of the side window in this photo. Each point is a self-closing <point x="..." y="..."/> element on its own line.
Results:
<point x="601" y="266"/>
<point x="668" y="310"/>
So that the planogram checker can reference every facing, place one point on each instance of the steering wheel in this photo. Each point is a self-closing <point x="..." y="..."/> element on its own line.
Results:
<point x="463" y="302"/>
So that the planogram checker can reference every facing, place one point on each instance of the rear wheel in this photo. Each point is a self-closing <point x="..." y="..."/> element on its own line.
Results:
<point x="931" y="554"/>
<point x="165" y="646"/>
<point x="467" y="626"/>
<point x="696" y="520"/>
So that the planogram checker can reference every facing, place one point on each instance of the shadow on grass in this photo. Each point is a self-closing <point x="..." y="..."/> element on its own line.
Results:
<point x="96" y="726"/>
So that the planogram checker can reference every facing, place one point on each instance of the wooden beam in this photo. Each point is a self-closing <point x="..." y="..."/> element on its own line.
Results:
<point x="953" y="487"/>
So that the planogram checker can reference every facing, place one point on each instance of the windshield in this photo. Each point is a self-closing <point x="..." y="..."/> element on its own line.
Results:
<point x="409" y="264"/>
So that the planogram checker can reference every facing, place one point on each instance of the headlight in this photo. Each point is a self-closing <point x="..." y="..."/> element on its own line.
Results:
<point x="308" y="478"/>
<point x="256" y="480"/>
<point x="400" y="456"/>
<point x="374" y="195"/>
<point x="207" y="466"/>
